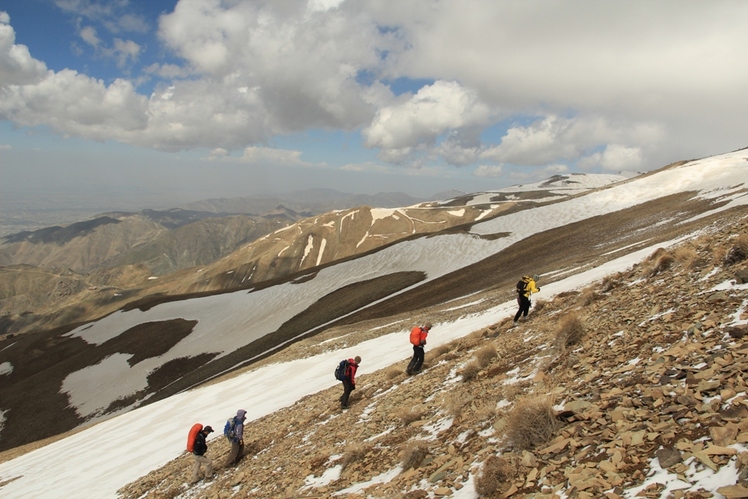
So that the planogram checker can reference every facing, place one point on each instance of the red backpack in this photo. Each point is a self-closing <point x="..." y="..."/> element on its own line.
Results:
<point x="196" y="428"/>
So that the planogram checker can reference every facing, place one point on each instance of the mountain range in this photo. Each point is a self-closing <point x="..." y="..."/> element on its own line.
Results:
<point x="385" y="269"/>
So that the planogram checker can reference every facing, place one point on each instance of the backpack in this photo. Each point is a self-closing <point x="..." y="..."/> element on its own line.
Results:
<point x="228" y="429"/>
<point x="521" y="286"/>
<point x="341" y="370"/>
<point x="196" y="428"/>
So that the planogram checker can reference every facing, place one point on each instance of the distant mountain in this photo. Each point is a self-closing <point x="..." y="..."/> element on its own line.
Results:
<point x="308" y="202"/>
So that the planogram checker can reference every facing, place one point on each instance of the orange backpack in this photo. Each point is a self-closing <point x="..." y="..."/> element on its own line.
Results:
<point x="196" y="428"/>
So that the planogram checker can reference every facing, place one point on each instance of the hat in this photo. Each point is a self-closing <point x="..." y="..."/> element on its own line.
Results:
<point x="535" y="277"/>
<point x="357" y="359"/>
<point x="208" y="429"/>
<point x="427" y="325"/>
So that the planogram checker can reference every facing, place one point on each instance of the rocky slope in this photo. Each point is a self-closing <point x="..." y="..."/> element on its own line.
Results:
<point x="596" y="391"/>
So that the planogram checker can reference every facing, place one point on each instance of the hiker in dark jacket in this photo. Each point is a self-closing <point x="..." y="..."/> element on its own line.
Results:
<point x="198" y="452"/>
<point x="418" y="339"/>
<point x="236" y="437"/>
<point x="523" y="296"/>
<point x="349" y="381"/>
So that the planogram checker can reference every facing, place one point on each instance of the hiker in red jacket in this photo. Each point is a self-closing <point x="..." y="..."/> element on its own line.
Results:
<point x="349" y="381"/>
<point x="418" y="339"/>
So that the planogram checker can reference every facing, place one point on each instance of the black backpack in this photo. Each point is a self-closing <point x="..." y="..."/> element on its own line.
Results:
<point x="341" y="370"/>
<point x="521" y="286"/>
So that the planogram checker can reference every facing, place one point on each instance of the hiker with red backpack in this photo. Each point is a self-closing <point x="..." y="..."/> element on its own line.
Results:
<point x="234" y="432"/>
<point x="198" y="445"/>
<point x="349" y="380"/>
<point x="525" y="288"/>
<point x="418" y="339"/>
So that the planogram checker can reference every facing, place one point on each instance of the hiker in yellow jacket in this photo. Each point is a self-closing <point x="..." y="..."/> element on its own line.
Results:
<point x="525" y="288"/>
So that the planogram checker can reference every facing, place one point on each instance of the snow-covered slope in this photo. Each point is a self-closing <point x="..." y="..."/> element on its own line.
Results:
<point x="140" y="440"/>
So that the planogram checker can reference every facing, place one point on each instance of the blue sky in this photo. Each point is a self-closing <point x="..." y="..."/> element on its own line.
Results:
<point x="168" y="101"/>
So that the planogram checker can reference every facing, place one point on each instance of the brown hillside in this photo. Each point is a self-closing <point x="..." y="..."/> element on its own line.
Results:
<point x="579" y="400"/>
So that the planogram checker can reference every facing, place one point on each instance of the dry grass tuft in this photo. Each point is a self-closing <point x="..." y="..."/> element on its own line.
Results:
<point x="410" y="414"/>
<point x="496" y="476"/>
<point x="455" y="401"/>
<point x="570" y="331"/>
<point x="486" y="354"/>
<point x="432" y="355"/>
<point x="354" y="452"/>
<point x="531" y="422"/>
<point x="393" y="372"/>
<point x="657" y="262"/>
<point x="485" y="410"/>
<point x="609" y="284"/>
<point x="470" y="370"/>
<point x="586" y="297"/>
<point x="539" y="305"/>
<point x="686" y="256"/>
<point x="414" y="453"/>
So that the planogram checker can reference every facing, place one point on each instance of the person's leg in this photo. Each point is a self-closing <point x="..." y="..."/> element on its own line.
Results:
<point x="208" y="466"/>
<point x="525" y="306"/>
<point x="195" y="468"/>
<point x="413" y="360"/>
<point x="347" y="389"/>
<point x="519" y="308"/>
<point x="419" y="359"/>
<point x="233" y="454"/>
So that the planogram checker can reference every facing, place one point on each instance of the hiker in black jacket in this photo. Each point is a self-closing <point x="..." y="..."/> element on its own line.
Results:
<point x="198" y="451"/>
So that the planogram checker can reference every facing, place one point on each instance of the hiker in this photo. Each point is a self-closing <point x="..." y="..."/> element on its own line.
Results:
<point x="199" y="449"/>
<point x="418" y="339"/>
<point x="234" y="431"/>
<point x="349" y="381"/>
<point x="525" y="287"/>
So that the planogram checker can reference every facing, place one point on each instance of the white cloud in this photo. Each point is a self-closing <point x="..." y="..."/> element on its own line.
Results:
<point x="267" y="155"/>
<point x="88" y="34"/>
<point x="671" y="88"/>
<point x="17" y="67"/>
<point x="125" y="51"/>
<point x="615" y="157"/>
<point x="492" y="171"/>
<point x="434" y="110"/>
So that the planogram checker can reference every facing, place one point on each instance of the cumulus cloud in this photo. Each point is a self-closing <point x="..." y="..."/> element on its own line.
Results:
<point x="432" y="111"/>
<point x="17" y="67"/>
<point x="601" y="94"/>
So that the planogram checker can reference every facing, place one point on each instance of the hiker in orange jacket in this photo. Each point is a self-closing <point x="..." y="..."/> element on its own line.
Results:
<point x="418" y="339"/>
<point x="349" y="381"/>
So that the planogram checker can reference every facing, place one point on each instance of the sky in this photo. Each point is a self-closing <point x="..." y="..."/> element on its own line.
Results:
<point x="157" y="102"/>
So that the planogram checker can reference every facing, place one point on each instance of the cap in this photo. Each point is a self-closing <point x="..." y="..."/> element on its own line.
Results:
<point x="535" y="277"/>
<point x="357" y="359"/>
<point x="208" y="429"/>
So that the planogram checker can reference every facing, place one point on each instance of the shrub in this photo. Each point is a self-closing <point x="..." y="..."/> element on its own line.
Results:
<point x="587" y="296"/>
<point x="659" y="261"/>
<point x="570" y="331"/>
<point x="470" y="370"/>
<point x="686" y="256"/>
<point x="437" y="352"/>
<point x="455" y="401"/>
<point x="539" y="305"/>
<point x="353" y="452"/>
<point x="393" y="372"/>
<point x="409" y="414"/>
<point x="414" y="453"/>
<point x="531" y="422"/>
<point x="496" y="475"/>
<point x="486" y="354"/>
